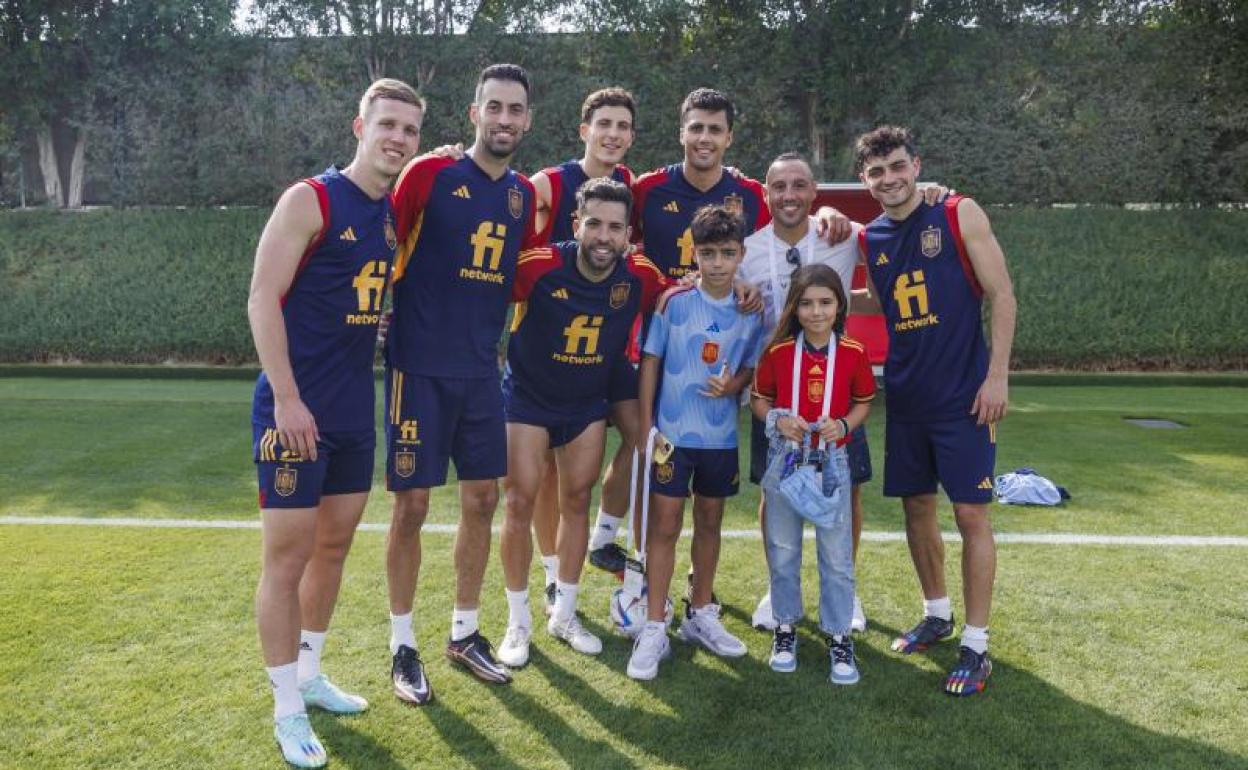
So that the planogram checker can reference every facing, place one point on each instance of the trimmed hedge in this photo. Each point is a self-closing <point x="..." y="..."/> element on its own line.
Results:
<point x="1097" y="288"/>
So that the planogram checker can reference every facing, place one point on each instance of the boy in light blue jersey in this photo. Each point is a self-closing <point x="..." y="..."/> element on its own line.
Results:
<point x="699" y="354"/>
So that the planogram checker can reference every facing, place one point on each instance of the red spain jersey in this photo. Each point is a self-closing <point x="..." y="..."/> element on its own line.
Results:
<point x="851" y="382"/>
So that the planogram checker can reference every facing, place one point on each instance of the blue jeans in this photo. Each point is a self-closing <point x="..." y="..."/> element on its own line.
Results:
<point x="834" y="547"/>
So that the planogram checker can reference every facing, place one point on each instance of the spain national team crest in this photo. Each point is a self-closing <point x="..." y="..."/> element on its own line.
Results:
<point x="392" y="240"/>
<point x="285" y="481"/>
<point x="405" y="463"/>
<point x="619" y="295"/>
<point x="814" y="390"/>
<point x="929" y="242"/>
<point x="664" y="473"/>
<point x="734" y="204"/>
<point x="710" y="352"/>
<point x="515" y="202"/>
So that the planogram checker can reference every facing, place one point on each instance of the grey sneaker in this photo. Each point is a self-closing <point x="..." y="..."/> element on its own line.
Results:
<point x="703" y="626"/>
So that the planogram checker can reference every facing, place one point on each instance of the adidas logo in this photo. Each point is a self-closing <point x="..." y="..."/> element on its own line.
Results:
<point x="559" y="294"/>
<point x="672" y="208"/>
<point x="882" y="259"/>
<point x="986" y="483"/>
<point x="714" y="327"/>
<point x="462" y="192"/>
<point x="816" y="369"/>
<point x="347" y="235"/>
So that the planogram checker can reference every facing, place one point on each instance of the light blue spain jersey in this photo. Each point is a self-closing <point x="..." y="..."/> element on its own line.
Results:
<point x="696" y="336"/>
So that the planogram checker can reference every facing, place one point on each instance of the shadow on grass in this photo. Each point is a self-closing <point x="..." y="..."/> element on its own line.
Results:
<point x="739" y="713"/>
<point x="469" y="743"/>
<point x="349" y="747"/>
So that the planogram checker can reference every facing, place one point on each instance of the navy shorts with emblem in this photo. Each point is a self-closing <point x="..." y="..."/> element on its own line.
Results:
<point x="958" y="454"/>
<point x="857" y="451"/>
<point x="714" y="473"/>
<point x="344" y="465"/>
<point x="431" y="421"/>
<point x="562" y="428"/>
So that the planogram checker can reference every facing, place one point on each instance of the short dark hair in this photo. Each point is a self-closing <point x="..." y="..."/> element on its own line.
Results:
<point x="716" y="224"/>
<point x="608" y="97"/>
<point x="507" y="72"/>
<point x="880" y="143"/>
<point x="604" y="188"/>
<point x="710" y="100"/>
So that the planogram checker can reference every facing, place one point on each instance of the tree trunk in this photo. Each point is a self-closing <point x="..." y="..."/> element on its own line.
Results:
<point x="77" y="170"/>
<point x="49" y="168"/>
<point x="814" y="133"/>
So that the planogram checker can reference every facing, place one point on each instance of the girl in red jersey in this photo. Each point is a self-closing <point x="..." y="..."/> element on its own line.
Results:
<point x="813" y="386"/>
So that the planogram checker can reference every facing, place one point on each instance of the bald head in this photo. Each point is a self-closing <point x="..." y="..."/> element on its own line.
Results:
<point x="790" y="189"/>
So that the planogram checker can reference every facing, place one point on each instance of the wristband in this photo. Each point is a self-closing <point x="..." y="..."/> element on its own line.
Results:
<point x="844" y="426"/>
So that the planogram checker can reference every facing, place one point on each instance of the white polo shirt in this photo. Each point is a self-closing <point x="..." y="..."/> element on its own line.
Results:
<point x="764" y="265"/>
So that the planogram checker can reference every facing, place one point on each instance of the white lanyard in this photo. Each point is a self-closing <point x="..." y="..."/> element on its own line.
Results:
<point x="777" y="295"/>
<point x="798" y="352"/>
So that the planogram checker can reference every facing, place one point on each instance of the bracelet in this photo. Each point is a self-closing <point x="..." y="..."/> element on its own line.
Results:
<point x="844" y="425"/>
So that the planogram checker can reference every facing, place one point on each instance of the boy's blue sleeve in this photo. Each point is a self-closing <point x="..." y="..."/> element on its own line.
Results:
<point x="656" y="338"/>
<point x="754" y="346"/>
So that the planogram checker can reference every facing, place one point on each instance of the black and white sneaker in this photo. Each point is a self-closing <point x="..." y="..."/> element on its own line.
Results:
<point x="473" y="652"/>
<point x="408" y="674"/>
<point x="610" y="558"/>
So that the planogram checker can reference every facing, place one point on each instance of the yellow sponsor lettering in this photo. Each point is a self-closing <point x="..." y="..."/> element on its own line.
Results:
<point x="370" y="286"/>
<point x="910" y="288"/>
<point x="487" y="244"/>
<point x="473" y="274"/>
<point x="583" y="329"/>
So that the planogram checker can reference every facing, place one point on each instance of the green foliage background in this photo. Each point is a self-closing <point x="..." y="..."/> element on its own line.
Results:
<point x="1097" y="288"/>
<point x="1103" y="101"/>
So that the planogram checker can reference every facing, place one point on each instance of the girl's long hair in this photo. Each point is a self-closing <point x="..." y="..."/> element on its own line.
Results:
<point x="804" y="278"/>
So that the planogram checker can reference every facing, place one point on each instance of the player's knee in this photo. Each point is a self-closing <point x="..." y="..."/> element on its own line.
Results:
<point x="665" y="530"/>
<point x="284" y="565"/>
<point x="973" y="521"/>
<point x="410" y="509"/>
<point x="481" y="501"/>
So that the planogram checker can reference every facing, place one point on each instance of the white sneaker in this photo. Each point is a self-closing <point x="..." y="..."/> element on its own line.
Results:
<point x="323" y="694"/>
<point x="764" y="619"/>
<point x="650" y="648"/>
<point x="703" y="627"/>
<point x="572" y="632"/>
<point x="300" y="746"/>
<point x="514" y="651"/>
<point x="859" y="620"/>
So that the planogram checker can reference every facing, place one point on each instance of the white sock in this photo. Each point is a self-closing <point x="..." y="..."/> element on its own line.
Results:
<point x="604" y="530"/>
<point x="550" y="565"/>
<point x="938" y="608"/>
<point x="565" y="600"/>
<point x="286" y="697"/>
<point x="463" y="624"/>
<point x="518" y="609"/>
<point x="401" y="633"/>
<point x="976" y="638"/>
<point x="311" y="643"/>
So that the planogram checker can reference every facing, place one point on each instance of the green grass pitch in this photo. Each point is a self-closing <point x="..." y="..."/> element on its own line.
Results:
<point x="136" y="647"/>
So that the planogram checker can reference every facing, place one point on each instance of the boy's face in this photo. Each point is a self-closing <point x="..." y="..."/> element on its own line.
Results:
<point x="718" y="262"/>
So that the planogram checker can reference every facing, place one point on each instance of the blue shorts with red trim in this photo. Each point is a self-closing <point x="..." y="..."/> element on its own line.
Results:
<point x="344" y="465"/>
<point x="432" y="421"/>
<point x="958" y="454"/>
<point x="713" y="473"/>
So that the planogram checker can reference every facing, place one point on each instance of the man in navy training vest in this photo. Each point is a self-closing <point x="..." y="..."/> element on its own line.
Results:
<point x="320" y="275"/>
<point x="946" y="387"/>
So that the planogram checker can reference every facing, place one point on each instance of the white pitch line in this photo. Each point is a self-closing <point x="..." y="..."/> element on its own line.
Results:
<point x="1043" y="538"/>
